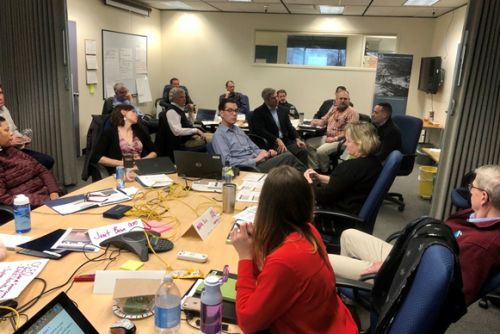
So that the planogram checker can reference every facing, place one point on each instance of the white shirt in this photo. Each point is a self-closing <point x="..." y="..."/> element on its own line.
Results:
<point x="4" y="112"/>
<point x="174" y="122"/>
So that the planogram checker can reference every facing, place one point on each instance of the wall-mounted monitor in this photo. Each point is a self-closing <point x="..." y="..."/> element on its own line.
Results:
<point x="430" y="74"/>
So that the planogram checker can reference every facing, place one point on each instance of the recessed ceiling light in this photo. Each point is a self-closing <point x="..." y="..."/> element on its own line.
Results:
<point x="241" y="0"/>
<point x="177" y="5"/>
<point x="420" y="2"/>
<point x="331" y="9"/>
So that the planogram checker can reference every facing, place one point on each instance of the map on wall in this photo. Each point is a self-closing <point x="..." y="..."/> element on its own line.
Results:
<point x="392" y="81"/>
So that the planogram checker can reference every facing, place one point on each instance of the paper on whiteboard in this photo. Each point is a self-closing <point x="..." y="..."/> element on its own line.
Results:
<point x="15" y="276"/>
<point x="143" y="90"/>
<point x="91" y="61"/>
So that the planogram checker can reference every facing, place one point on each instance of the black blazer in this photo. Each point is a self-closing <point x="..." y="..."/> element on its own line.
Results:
<point x="109" y="144"/>
<point x="323" y="110"/>
<point x="263" y="125"/>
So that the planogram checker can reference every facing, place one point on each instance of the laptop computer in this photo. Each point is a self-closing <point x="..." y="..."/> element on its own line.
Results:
<point x="205" y="115"/>
<point x="60" y="313"/>
<point x="198" y="164"/>
<point x="162" y="165"/>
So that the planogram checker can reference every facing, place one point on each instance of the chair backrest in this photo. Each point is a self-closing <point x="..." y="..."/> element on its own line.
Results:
<point x="411" y="129"/>
<point x="97" y="126"/>
<point x="364" y="118"/>
<point x="426" y="297"/>
<point x="372" y="204"/>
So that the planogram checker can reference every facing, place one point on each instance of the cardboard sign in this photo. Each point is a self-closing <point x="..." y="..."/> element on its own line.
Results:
<point x="99" y="234"/>
<point x="206" y="223"/>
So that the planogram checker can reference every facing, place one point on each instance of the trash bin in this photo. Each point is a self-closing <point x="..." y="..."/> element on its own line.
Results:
<point x="426" y="181"/>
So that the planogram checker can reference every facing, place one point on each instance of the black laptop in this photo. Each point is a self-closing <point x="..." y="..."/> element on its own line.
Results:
<point x="58" y="316"/>
<point x="162" y="165"/>
<point x="198" y="165"/>
<point x="205" y="115"/>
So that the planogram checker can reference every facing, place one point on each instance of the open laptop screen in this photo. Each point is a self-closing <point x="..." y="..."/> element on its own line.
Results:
<point x="198" y="165"/>
<point x="205" y="115"/>
<point x="59" y="316"/>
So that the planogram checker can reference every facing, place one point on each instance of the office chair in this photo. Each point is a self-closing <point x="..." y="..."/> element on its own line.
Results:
<point x="90" y="169"/>
<point x="411" y="127"/>
<point x="460" y="197"/>
<point x="418" y="289"/>
<point x="365" y="118"/>
<point x="331" y="223"/>
<point x="6" y="213"/>
<point x="261" y="142"/>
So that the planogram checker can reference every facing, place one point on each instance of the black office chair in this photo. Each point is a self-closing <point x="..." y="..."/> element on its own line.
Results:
<point x="411" y="128"/>
<point x="261" y="142"/>
<point x="90" y="169"/>
<point x="210" y="149"/>
<point x="460" y="197"/>
<point x="365" y="118"/>
<point x="6" y="213"/>
<point x="331" y="224"/>
<point x="418" y="289"/>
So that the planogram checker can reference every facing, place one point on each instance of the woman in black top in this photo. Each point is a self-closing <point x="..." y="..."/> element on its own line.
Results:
<point x="350" y="183"/>
<point x="124" y="136"/>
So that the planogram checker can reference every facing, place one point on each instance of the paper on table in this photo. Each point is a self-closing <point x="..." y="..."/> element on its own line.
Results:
<point x="17" y="275"/>
<point x="12" y="240"/>
<point x="105" y="279"/>
<point x="247" y="215"/>
<point x="155" y="180"/>
<point x="255" y="177"/>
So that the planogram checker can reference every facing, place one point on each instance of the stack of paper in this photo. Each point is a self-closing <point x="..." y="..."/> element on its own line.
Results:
<point x="154" y="180"/>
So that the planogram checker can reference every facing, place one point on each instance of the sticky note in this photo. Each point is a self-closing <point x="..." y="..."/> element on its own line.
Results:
<point x="131" y="265"/>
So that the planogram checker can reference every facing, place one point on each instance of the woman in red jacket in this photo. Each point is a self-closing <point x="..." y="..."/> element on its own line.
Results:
<point x="21" y="174"/>
<point x="285" y="281"/>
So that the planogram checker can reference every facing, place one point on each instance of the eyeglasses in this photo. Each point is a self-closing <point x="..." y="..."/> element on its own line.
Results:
<point x="470" y="186"/>
<point x="231" y="110"/>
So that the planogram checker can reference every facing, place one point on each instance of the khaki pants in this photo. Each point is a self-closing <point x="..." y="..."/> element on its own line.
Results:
<point x="196" y="140"/>
<point x="358" y="252"/>
<point x="319" y="152"/>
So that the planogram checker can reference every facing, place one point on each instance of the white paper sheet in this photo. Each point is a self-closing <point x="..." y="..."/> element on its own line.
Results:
<point x="15" y="276"/>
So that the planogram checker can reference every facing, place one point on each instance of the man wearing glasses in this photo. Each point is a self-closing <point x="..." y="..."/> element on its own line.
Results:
<point x="236" y="147"/>
<point x="477" y="231"/>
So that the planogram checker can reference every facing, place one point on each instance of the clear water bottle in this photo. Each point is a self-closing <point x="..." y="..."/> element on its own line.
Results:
<point x="227" y="173"/>
<point x="211" y="306"/>
<point x="167" y="307"/>
<point x="22" y="213"/>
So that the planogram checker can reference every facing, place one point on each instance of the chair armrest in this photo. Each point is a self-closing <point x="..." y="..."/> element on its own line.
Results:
<point x="249" y="168"/>
<point x="261" y="142"/>
<point x="393" y="236"/>
<point x="339" y="216"/>
<point x="100" y="171"/>
<point x="353" y="284"/>
<point x="7" y="208"/>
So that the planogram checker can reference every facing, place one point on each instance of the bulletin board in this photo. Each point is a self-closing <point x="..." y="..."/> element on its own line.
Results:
<point x="124" y="59"/>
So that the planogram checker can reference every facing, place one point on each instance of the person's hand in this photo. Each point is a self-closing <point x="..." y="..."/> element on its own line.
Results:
<point x="262" y="155"/>
<point x="330" y="139"/>
<point x="315" y="122"/>
<point x="129" y="97"/>
<point x="311" y="175"/>
<point x="242" y="240"/>
<point x="374" y="268"/>
<point x="273" y="153"/>
<point x="53" y="196"/>
<point x="300" y="143"/>
<point x="202" y="134"/>
<point x="17" y="141"/>
<point x="281" y="146"/>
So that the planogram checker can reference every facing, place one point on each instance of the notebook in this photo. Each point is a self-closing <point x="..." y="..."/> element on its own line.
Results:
<point x="198" y="164"/>
<point x="42" y="246"/>
<point x="59" y="315"/>
<point x="162" y="165"/>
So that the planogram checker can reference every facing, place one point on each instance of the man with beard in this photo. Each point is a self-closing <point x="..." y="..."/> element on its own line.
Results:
<point x="335" y="121"/>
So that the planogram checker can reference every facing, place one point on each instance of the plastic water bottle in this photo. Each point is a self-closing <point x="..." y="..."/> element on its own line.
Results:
<point x="167" y="307"/>
<point x="227" y="173"/>
<point x="211" y="306"/>
<point x="22" y="210"/>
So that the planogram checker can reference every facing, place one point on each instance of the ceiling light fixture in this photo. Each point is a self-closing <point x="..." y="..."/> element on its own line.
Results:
<point x="177" y="5"/>
<point x="420" y="2"/>
<point x="337" y="10"/>
<point x="240" y="0"/>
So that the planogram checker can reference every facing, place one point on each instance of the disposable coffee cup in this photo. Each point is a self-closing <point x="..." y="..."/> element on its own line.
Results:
<point x="128" y="160"/>
<point x="228" y="197"/>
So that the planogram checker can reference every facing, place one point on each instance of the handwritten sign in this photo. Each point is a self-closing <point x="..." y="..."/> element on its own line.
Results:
<point x="206" y="223"/>
<point x="99" y="234"/>
<point x="15" y="276"/>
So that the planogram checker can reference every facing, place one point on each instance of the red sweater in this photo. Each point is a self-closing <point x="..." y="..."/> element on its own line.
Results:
<point x="21" y="174"/>
<point x="479" y="245"/>
<point x="294" y="293"/>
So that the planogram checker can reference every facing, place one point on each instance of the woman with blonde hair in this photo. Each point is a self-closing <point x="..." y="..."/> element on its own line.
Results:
<point x="285" y="281"/>
<point x="350" y="182"/>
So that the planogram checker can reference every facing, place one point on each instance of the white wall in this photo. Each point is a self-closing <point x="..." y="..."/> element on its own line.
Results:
<point x="446" y="37"/>
<point x="206" y="49"/>
<point x="91" y="16"/>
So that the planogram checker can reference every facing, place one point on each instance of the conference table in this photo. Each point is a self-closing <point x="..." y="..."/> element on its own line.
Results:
<point x="98" y="308"/>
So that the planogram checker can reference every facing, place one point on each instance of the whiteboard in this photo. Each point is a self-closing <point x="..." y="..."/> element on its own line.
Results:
<point x="124" y="59"/>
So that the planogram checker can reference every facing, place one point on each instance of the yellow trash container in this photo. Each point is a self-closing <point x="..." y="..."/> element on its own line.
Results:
<point x="426" y="181"/>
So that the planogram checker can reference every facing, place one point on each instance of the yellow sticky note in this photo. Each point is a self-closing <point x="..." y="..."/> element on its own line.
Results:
<point x="91" y="88"/>
<point x="131" y="265"/>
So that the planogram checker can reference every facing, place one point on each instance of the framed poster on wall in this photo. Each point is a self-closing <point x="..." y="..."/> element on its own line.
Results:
<point x="124" y="59"/>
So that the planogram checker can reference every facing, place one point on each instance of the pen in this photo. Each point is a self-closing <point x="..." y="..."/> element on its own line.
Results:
<point x="84" y="278"/>
<point x="52" y="253"/>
